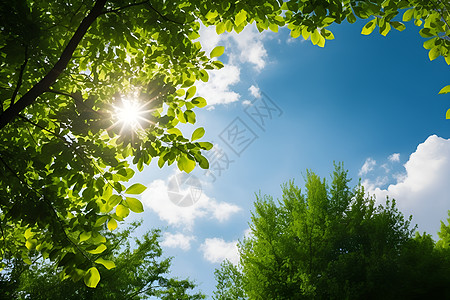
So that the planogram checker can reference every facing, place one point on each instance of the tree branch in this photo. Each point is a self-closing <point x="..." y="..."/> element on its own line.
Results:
<point x="39" y="88"/>
<point x="61" y="224"/>
<point x="19" y="80"/>
<point x="163" y="16"/>
<point x="123" y="7"/>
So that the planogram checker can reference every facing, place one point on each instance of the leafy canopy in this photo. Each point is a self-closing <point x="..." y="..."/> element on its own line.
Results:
<point x="331" y="242"/>
<point x="128" y="272"/>
<point x="69" y="73"/>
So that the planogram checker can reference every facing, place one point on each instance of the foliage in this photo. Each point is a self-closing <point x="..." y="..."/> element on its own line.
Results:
<point x="67" y="70"/>
<point x="229" y="282"/>
<point x="331" y="242"/>
<point x="139" y="273"/>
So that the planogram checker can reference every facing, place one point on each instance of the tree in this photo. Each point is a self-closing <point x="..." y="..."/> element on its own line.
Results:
<point x="128" y="272"/>
<point x="69" y="72"/>
<point x="229" y="282"/>
<point x="331" y="242"/>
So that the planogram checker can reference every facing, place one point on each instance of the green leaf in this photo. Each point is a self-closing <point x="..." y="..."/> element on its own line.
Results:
<point x="369" y="27"/>
<point x="240" y="17"/>
<point x="190" y="116"/>
<point x="191" y="92"/>
<point x="434" y="53"/>
<point x="185" y="164"/>
<point x="447" y="115"/>
<point x="398" y="26"/>
<point x="315" y="37"/>
<point x="114" y="200"/>
<point x="204" y="76"/>
<point x="305" y="33"/>
<point x="198" y="134"/>
<point x="407" y="16"/>
<point x="206" y="145"/>
<point x="426" y="32"/>
<point x="175" y="130"/>
<point x="30" y="244"/>
<point x="199" y="102"/>
<point x="100" y="221"/>
<point x="220" y="28"/>
<point x="136" y="189"/>
<point x="92" y="277"/>
<point x="430" y="43"/>
<point x="351" y="18"/>
<point x="216" y="52"/>
<point x="28" y="233"/>
<point x="106" y="263"/>
<point x="135" y="205"/>
<point x="85" y="235"/>
<point x="122" y="211"/>
<point x="445" y="90"/>
<point x="98" y="250"/>
<point x="385" y="29"/>
<point x="295" y="33"/>
<point x="273" y="27"/>
<point x="112" y="224"/>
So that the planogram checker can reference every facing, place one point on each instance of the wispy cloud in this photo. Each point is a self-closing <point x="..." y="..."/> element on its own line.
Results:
<point x="216" y="250"/>
<point x="368" y="166"/>
<point x="394" y="157"/>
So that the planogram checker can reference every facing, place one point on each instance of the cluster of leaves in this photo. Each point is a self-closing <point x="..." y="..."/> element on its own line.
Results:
<point x="139" y="273"/>
<point x="334" y="243"/>
<point x="66" y="67"/>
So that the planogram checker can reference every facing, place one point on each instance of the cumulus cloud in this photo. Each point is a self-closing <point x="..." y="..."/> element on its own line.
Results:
<point x="246" y="47"/>
<point x="177" y="240"/>
<point x="156" y="197"/>
<point x="368" y="166"/>
<point x="254" y="90"/>
<point x="422" y="191"/>
<point x="218" y="89"/>
<point x="394" y="157"/>
<point x="216" y="250"/>
<point x="246" y="102"/>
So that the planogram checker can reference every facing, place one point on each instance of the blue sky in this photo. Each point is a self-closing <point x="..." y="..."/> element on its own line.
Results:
<point x="369" y="101"/>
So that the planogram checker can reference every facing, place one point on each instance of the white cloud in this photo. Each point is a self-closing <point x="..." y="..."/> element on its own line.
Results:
<point x="394" y="157"/>
<point x="254" y="90"/>
<point x="250" y="46"/>
<point x="177" y="240"/>
<point x="216" y="250"/>
<point x="156" y="197"/>
<point x="367" y="167"/>
<point x="246" y="102"/>
<point x="246" y="47"/>
<point x="218" y="88"/>
<point x="423" y="190"/>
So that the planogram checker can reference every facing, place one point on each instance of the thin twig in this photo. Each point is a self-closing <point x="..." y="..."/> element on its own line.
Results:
<point x="122" y="8"/>
<point x="163" y="16"/>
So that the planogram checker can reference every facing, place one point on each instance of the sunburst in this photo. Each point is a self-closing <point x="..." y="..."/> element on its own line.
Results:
<point x="131" y="115"/>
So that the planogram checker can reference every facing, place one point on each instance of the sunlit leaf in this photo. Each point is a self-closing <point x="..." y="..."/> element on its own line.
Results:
<point x="92" y="277"/>
<point x="217" y="51"/>
<point x="136" y="189"/>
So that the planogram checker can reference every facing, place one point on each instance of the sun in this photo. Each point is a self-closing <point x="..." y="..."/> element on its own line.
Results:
<point x="130" y="114"/>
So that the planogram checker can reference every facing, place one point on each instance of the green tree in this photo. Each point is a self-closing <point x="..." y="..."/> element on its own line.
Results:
<point x="229" y="282"/>
<point x="68" y="71"/>
<point x="332" y="242"/>
<point x="128" y="272"/>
